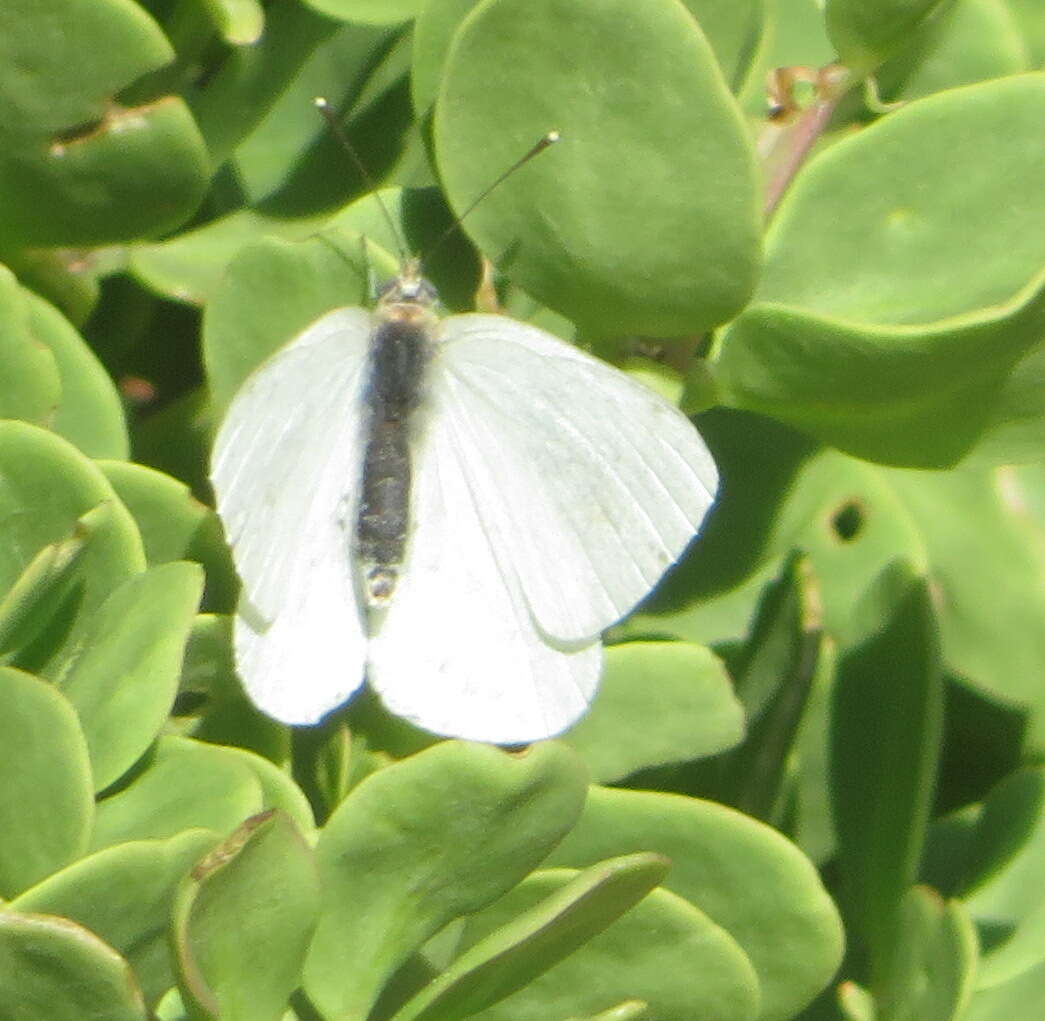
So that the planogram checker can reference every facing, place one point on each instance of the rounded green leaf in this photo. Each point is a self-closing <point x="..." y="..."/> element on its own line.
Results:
<point x="866" y="32"/>
<point x="420" y="843"/>
<point x="644" y="216"/>
<point x="732" y="29"/>
<point x="46" y="486"/>
<point x="46" y="799"/>
<point x="433" y="32"/>
<point x="186" y="785"/>
<point x="965" y="42"/>
<point x="278" y="790"/>
<point x="658" y="702"/>
<point x="89" y="413"/>
<point x="76" y="167"/>
<point x="749" y="880"/>
<point x="52" y="968"/>
<point x="174" y="525"/>
<point x="509" y="957"/>
<point x="124" y="895"/>
<point x="123" y="678"/>
<point x="243" y="921"/>
<point x="189" y="266"/>
<point x="32" y="386"/>
<point x="664" y="951"/>
<point x="892" y="337"/>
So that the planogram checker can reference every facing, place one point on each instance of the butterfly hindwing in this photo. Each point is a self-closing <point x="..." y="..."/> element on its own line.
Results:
<point x="458" y="651"/>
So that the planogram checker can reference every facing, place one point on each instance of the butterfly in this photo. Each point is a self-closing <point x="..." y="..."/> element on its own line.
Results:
<point x="452" y="509"/>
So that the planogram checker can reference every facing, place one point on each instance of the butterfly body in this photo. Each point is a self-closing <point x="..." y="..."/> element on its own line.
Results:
<point x="396" y="365"/>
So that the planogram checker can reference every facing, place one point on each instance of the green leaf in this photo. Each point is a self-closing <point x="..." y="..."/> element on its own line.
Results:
<point x="185" y="785"/>
<point x="46" y="486"/>
<point x="290" y="164"/>
<point x="32" y="385"/>
<point x="747" y="878"/>
<point x="856" y="1003"/>
<point x="512" y="956"/>
<point x="189" y="266"/>
<point x="857" y="339"/>
<point x="239" y="22"/>
<point x="77" y="167"/>
<point x="1006" y="855"/>
<point x="866" y="32"/>
<point x="53" y="968"/>
<point x="886" y="733"/>
<point x="242" y="922"/>
<point x="46" y="803"/>
<point x="229" y="104"/>
<point x="618" y="245"/>
<point x="124" y="895"/>
<point x="123" y="677"/>
<point x="933" y="962"/>
<point x="421" y="842"/>
<point x="962" y="43"/>
<point x="1031" y="19"/>
<point x="278" y="790"/>
<point x="773" y="683"/>
<point x="734" y="30"/>
<point x="658" y="703"/>
<point x="980" y="540"/>
<point x="37" y="595"/>
<point x="731" y="29"/>
<point x="89" y="413"/>
<point x="378" y="12"/>
<point x="663" y="952"/>
<point x="174" y="525"/>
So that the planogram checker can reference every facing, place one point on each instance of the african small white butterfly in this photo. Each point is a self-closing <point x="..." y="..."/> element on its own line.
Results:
<point x="450" y="509"/>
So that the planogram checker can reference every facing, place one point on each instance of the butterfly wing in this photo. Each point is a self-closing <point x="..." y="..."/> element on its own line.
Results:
<point x="457" y="651"/>
<point x="285" y="466"/>
<point x="591" y="484"/>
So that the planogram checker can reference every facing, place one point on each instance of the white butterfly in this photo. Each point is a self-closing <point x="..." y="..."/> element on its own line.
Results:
<point x="548" y="494"/>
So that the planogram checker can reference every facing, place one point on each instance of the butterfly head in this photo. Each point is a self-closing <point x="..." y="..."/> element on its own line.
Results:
<point x="409" y="289"/>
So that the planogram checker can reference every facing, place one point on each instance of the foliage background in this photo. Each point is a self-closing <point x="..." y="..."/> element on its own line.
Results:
<point x="811" y="785"/>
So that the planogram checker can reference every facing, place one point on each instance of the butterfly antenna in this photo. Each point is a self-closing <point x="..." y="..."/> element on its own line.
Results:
<point x="549" y="139"/>
<point x="339" y="133"/>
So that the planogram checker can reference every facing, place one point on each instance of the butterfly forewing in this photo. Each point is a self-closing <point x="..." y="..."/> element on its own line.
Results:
<point x="285" y="469"/>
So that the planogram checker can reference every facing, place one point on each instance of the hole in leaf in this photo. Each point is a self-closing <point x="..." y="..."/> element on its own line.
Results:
<point x="848" y="521"/>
